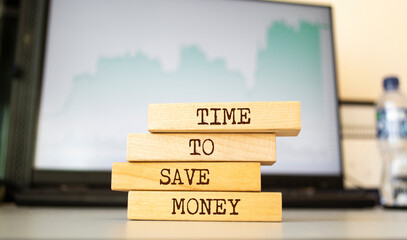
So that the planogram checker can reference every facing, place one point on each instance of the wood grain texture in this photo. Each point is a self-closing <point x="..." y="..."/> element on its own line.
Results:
<point x="282" y="118"/>
<point x="187" y="176"/>
<point x="258" y="147"/>
<point x="204" y="206"/>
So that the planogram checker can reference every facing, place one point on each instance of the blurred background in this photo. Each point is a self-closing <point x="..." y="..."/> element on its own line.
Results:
<point x="370" y="38"/>
<point x="43" y="43"/>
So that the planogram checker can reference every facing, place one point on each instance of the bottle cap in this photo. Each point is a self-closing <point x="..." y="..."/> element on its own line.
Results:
<point x="391" y="83"/>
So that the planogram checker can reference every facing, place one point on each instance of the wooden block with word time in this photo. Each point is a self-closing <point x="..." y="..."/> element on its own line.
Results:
<point x="282" y="118"/>
<point x="205" y="206"/>
<point x="186" y="176"/>
<point x="257" y="147"/>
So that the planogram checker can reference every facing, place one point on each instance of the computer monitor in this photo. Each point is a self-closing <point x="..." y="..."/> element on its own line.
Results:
<point x="105" y="61"/>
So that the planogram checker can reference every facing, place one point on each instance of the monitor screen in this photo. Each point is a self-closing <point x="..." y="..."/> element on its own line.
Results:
<point x="105" y="61"/>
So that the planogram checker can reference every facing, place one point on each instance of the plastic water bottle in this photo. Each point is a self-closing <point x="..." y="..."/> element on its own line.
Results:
<point x="392" y="135"/>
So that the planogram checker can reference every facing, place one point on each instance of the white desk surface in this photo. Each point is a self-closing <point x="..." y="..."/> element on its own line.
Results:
<point x="111" y="223"/>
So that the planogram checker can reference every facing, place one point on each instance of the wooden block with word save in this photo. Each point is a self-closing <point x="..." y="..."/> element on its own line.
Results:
<point x="282" y="118"/>
<point x="186" y="176"/>
<point x="257" y="147"/>
<point x="205" y="206"/>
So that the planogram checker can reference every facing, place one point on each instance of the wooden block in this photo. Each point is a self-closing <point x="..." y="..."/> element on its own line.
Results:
<point x="205" y="206"/>
<point x="187" y="176"/>
<point x="258" y="147"/>
<point x="282" y="118"/>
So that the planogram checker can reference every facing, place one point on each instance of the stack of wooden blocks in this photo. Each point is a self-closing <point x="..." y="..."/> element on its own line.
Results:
<point x="202" y="161"/>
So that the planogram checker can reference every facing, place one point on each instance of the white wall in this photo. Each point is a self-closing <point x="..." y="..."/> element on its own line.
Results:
<point x="371" y="42"/>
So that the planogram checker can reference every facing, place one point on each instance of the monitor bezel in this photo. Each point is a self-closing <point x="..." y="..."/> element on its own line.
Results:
<point x="102" y="178"/>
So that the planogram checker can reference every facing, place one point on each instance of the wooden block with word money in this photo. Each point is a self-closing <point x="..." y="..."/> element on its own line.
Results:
<point x="205" y="206"/>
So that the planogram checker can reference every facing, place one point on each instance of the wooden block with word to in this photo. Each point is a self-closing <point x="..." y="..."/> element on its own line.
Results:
<point x="187" y="176"/>
<point x="257" y="147"/>
<point x="282" y="118"/>
<point x="205" y="206"/>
